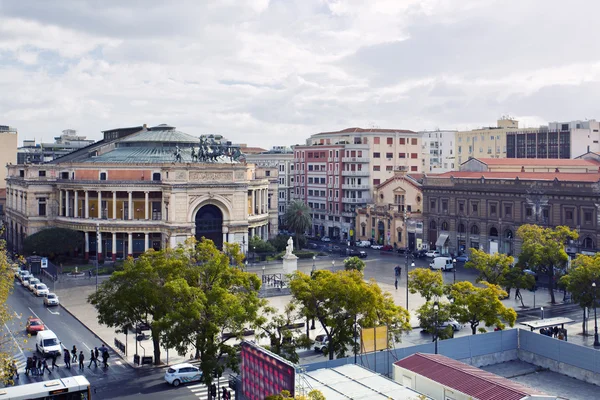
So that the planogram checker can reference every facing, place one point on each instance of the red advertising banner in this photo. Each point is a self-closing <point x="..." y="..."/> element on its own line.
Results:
<point x="265" y="374"/>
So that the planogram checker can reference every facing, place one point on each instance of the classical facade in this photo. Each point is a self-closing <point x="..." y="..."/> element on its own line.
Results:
<point x="395" y="217"/>
<point x="139" y="188"/>
<point x="483" y="210"/>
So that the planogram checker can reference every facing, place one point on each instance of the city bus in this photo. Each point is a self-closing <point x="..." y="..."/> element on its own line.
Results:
<point x="71" y="388"/>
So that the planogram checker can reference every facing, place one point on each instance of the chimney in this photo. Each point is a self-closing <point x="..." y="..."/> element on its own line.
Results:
<point x="522" y="168"/>
<point x="556" y="170"/>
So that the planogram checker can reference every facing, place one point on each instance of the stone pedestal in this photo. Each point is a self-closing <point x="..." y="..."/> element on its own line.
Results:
<point x="290" y="264"/>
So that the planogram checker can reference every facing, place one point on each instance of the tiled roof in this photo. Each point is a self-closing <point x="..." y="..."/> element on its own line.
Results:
<point x="362" y="130"/>
<point x="405" y="178"/>
<point x="551" y="162"/>
<point x="465" y="378"/>
<point x="158" y="135"/>
<point x="540" y="176"/>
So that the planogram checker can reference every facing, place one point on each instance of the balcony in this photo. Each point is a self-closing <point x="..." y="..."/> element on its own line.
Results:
<point x="355" y="173"/>
<point x="355" y="187"/>
<point x="348" y="214"/>
<point x="351" y="200"/>
<point x="356" y="159"/>
<point x="330" y="185"/>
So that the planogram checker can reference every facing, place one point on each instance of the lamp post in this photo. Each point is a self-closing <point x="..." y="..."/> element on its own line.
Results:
<point x="313" y="267"/>
<point x="253" y="254"/>
<point x="333" y="264"/>
<point x="263" y="273"/>
<point x="412" y="266"/>
<point x="436" y="308"/>
<point x="542" y="310"/>
<point x="98" y="244"/>
<point x="454" y="269"/>
<point x="596" y="342"/>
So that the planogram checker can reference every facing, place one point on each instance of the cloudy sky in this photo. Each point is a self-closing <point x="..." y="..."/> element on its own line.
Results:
<point x="272" y="72"/>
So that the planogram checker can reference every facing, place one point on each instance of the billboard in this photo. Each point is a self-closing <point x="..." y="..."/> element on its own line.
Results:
<point x="373" y="339"/>
<point x="265" y="373"/>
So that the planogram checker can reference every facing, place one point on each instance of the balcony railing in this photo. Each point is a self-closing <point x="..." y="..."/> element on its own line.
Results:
<point x="356" y="159"/>
<point x="355" y="187"/>
<point x="355" y="173"/>
<point x="352" y="200"/>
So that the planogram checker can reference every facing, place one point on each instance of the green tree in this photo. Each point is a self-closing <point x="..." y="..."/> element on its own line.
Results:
<point x="426" y="282"/>
<point x="517" y="278"/>
<point x="492" y="267"/>
<point x="585" y="270"/>
<point x="54" y="242"/>
<point x="473" y="304"/>
<point x="8" y="345"/>
<point x="277" y="327"/>
<point x="211" y="304"/>
<point x="260" y="246"/>
<point x="298" y="219"/>
<point x="543" y="250"/>
<point x="354" y="263"/>
<point x="338" y="299"/>
<point x="285" y="395"/>
<point x="429" y="320"/>
<point x="137" y="294"/>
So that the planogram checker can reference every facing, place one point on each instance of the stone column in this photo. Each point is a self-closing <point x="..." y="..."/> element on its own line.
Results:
<point x="67" y="204"/>
<point x="60" y="202"/>
<point x="87" y="205"/>
<point x="253" y="202"/>
<point x="114" y="246"/>
<point x="99" y="204"/>
<point x="146" y="238"/>
<point x="75" y="202"/>
<point x="99" y="246"/>
<point x="225" y="234"/>
<point x="86" y="253"/>
<point x="130" y="209"/>
<point x="129" y="243"/>
<point x="114" y="207"/>
<point x="146" y="206"/>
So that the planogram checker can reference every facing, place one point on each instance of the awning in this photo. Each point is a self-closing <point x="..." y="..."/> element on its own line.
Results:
<point x="441" y="241"/>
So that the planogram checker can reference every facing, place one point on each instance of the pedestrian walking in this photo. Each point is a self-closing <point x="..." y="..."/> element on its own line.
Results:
<point x="45" y="366"/>
<point x="15" y="369"/>
<point x="34" y="365"/>
<point x="105" y="356"/>
<point x="398" y="270"/>
<point x="67" y="359"/>
<point x="39" y="366"/>
<point x="213" y="391"/>
<point x="396" y="283"/>
<point x="54" y="357"/>
<point x="90" y="273"/>
<point x="81" y="359"/>
<point x="93" y="359"/>
<point x="96" y="353"/>
<point x="74" y="354"/>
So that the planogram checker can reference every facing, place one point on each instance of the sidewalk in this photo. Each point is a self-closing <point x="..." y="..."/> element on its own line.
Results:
<point x="73" y="294"/>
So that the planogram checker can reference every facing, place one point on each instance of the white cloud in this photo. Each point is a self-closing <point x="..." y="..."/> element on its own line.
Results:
<point x="274" y="72"/>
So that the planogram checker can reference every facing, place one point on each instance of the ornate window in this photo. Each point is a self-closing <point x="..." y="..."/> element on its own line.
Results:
<point x="474" y="230"/>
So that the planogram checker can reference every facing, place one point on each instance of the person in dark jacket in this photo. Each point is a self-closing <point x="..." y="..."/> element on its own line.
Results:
<point x="28" y="366"/>
<point x="45" y="366"/>
<point x="81" y="359"/>
<point x="67" y="359"/>
<point x="93" y="359"/>
<point x="74" y="354"/>
<point x="105" y="358"/>
<point x="34" y="365"/>
<point x="54" y="357"/>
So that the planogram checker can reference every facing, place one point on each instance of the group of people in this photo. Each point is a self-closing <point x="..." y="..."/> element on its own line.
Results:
<point x="225" y="394"/>
<point x="39" y="365"/>
<point x="555" y="332"/>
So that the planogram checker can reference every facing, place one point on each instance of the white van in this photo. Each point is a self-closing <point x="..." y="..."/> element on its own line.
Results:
<point x="442" y="263"/>
<point x="47" y="343"/>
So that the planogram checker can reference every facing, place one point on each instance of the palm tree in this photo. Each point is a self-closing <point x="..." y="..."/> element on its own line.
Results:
<point x="298" y="219"/>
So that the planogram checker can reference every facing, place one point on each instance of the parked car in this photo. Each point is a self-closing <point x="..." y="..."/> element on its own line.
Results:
<point x="432" y="254"/>
<point x="321" y="343"/>
<point x="456" y="326"/>
<point x="26" y="280"/>
<point x="34" y="325"/>
<point x="40" y="289"/>
<point x="31" y="283"/>
<point x="325" y="239"/>
<point x="23" y="274"/>
<point x="352" y="252"/>
<point x="388" y="247"/>
<point x="363" y="243"/>
<point x="336" y="249"/>
<point x="377" y="246"/>
<point x="462" y="258"/>
<point x="362" y="254"/>
<point x="311" y="245"/>
<point x="182" y="373"/>
<point x="441" y="263"/>
<point x="51" y="299"/>
<point x="419" y="253"/>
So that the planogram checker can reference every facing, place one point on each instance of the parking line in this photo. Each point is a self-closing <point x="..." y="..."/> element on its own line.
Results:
<point x="52" y="312"/>
<point x="88" y="347"/>
<point x="13" y="338"/>
<point x="17" y="315"/>
<point x="33" y="313"/>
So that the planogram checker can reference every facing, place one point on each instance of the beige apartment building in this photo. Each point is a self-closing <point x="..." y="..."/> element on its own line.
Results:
<point x="8" y="155"/>
<point x="487" y="142"/>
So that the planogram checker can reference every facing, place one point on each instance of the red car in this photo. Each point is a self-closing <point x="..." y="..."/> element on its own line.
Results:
<point x="387" y="247"/>
<point x="34" y="325"/>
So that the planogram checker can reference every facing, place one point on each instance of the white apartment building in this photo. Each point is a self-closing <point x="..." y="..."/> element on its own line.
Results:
<point x="438" y="151"/>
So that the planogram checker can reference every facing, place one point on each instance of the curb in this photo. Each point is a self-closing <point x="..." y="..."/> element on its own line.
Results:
<point x="97" y="336"/>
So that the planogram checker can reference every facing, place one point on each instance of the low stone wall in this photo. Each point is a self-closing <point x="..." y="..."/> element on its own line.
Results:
<point x="492" y="358"/>
<point x="560" y="367"/>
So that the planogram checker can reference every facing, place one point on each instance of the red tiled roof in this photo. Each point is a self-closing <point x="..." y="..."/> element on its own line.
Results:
<point x="465" y="378"/>
<point x="550" y="162"/>
<point x="539" y="176"/>
<point x="362" y="130"/>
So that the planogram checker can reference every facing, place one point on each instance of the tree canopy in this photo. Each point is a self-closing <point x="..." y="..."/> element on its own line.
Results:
<point x="338" y="299"/>
<point x="472" y="304"/>
<point x="492" y="267"/>
<point x="543" y="250"/>
<point x="257" y="245"/>
<point x="298" y="219"/>
<point x="426" y="282"/>
<point x="8" y="346"/>
<point x="430" y="321"/>
<point x="354" y="263"/>
<point x="54" y="242"/>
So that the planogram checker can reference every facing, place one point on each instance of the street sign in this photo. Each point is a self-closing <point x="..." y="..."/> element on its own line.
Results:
<point x="44" y="262"/>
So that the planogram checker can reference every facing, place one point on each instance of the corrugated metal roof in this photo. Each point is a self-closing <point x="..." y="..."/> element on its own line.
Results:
<point x="552" y="162"/>
<point x="465" y="378"/>
<point x="539" y="176"/>
<point x="146" y="155"/>
<point x="161" y="135"/>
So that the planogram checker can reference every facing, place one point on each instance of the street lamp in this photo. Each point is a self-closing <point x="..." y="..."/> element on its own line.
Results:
<point x="313" y="267"/>
<point x="263" y="273"/>
<point x="454" y="269"/>
<point x="542" y="310"/>
<point x="412" y="265"/>
<point x="253" y="254"/>
<point x="333" y="264"/>
<point x="596" y="342"/>
<point x="436" y="308"/>
<point x="98" y="248"/>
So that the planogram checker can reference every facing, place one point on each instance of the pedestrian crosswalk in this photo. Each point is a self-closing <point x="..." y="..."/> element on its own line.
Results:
<point x="202" y="392"/>
<point x="21" y="361"/>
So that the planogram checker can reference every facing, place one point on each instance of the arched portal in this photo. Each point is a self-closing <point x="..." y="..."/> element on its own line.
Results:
<point x="209" y="224"/>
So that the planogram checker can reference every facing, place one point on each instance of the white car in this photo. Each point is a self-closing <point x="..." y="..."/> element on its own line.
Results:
<point x="40" y="289"/>
<point x="432" y="254"/>
<point x="363" y="243"/>
<point x="26" y="280"/>
<point x="23" y="274"/>
<point x="51" y="299"/>
<point x="182" y="373"/>
<point x="377" y="246"/>
<point x="31" y="284"/>
<point x="325" y="239"/>
<point x="453" y="323"/>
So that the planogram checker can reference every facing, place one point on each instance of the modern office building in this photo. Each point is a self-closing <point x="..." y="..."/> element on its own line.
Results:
<point x="141" y="188"/>
<point x="336" y="172"/>
<point x="36" y="153"/>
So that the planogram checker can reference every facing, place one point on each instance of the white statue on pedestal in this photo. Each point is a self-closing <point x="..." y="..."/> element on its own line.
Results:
<point x="290" y="247"/>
